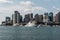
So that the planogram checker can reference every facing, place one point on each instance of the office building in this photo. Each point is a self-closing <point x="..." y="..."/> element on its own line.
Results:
<point x="7" y="20"/>
<point x="50" y="17"/>
<point x="16" y="17"/>
<point x="28" y="17"/>
<point x="31" y="16"/>
<point x="38" y="18"/>
<point x="57" y="17"/>
<point x="45" y="17"/>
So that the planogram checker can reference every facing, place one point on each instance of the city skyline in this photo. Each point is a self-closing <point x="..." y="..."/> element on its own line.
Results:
<point x="17" y="19"/>
<point x="7" y="7"/>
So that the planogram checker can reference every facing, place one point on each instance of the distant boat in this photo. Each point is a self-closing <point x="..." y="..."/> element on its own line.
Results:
<point x="31" y="24"/>
<point x="16" y="24"/>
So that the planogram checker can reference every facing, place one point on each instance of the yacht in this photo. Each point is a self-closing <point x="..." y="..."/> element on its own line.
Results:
<point x="16" y="24"/>
<point x="31" y="24"/>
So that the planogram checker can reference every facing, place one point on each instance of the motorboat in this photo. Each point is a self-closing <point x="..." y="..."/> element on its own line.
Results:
<point x="31" y="24"/>
<point x="16" y="24"/>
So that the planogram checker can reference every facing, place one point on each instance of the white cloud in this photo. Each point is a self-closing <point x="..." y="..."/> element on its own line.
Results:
<point x="30" y="6"/>
<point x="25" y="6"/>
<point x="58" y="9"/>
<point x="26" y="3"/>
<point x="5" y="1"/>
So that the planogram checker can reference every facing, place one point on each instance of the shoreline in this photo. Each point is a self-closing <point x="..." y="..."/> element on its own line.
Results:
<point x="32" y="26"/>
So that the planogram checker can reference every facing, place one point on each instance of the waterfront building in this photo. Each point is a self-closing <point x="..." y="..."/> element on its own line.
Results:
<point x="45" y="17"/>
<point x="16" y="17"/>
<point x="38" y="18"/>
<point x="57" y="17"/>
<point x="50" y="16"/>
<point x="31" y="16"/>
<point x="3" y="22"/>
<point x="53" y="18"/>
<point x="28" y="17"/>
<point x="11" y="22"/>
<point x="13" y="19"/>
<point x="7" y="20"/>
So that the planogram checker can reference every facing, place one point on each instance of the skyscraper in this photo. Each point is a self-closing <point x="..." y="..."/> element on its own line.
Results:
<point x="31" y="16"/>
<point x="50" y="17"/>
<point x="45" y="17"/>
<point x="8" y="20"/>
<point x="17" y="18"/>
<point x="57" y="17"/>
<point x="38" y="18"/>
<point x="28" y="17"/>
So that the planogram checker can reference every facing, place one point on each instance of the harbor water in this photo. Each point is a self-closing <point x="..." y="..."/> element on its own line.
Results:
<point x="29" y="33"/>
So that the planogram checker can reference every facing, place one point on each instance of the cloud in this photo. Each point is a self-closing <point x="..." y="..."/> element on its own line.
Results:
<point x="58" y="9"/>
<point x="25" y="7"/>
<point x="26" y="3"/>
<point x="28" y="6"/>
<point x="6" y="1"/>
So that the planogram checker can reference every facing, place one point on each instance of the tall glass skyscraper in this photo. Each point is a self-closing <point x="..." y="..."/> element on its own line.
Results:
<point x="51" y="17"/>
<point x="17" y="18"/>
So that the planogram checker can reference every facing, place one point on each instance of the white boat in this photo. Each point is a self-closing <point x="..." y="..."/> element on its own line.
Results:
<point x="31" y="24"/>
<point x="16" y="24"/>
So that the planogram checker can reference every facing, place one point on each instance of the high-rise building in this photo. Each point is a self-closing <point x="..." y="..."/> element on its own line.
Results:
<point x="31" y="16"/>
<point x="16" y="17"/>
<point x="28" y="17"/>
<point x="8" y="20"/>
<point x="57" y="17"/>
<point x="38" y="18"/>
<point x="13" y="19"/>
<point x="45" y="17"/>
<point x="50" y="17"/>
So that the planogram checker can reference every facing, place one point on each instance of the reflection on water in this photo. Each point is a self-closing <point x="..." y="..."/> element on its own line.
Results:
<point x="29" y="33"/>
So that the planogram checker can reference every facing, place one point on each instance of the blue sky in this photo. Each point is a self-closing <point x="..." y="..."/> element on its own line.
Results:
<point x="7" y="7"/>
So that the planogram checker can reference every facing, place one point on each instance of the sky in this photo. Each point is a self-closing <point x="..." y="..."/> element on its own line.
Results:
<point x="7" y="7"/>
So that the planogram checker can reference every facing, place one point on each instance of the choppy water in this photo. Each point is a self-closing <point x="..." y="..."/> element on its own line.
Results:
<point x="29" y="33"/>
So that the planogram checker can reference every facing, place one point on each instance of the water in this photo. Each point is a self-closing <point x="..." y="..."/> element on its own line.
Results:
<point x="29" y="33"/>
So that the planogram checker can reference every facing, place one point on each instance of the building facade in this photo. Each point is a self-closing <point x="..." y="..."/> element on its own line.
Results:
<point x="38" y="18"/>
<point x="28" y="17"/>
<point x="16" y="17"/>
<point x="45" y="17"/>
<point x="50" y="17"/>
<point x="8" y="20"/>
<point x="57" y="17"/>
